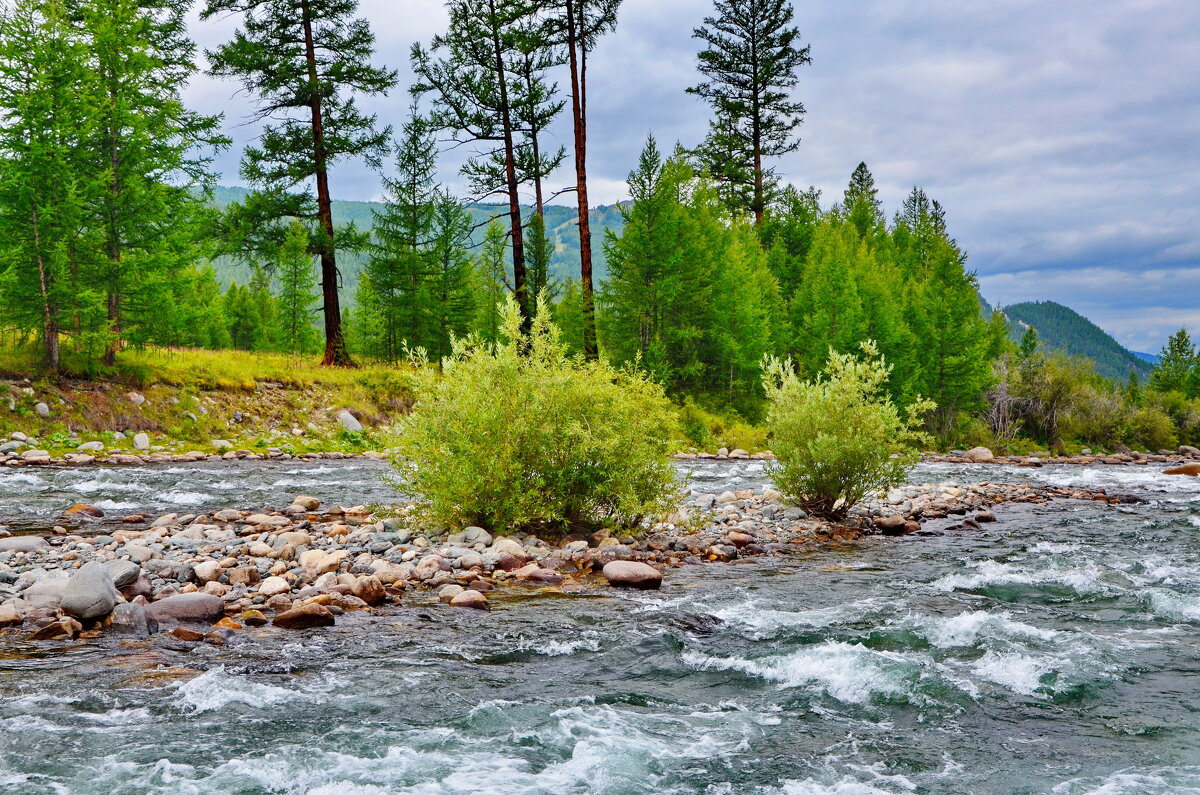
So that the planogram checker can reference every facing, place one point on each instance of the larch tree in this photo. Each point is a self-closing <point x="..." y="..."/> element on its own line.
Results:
<point x="152" y="150"/>
<point x="492" y="281"/>
<point x="305" y="61"/>
<point x="862" y="206"/>
<point x="579" y="24"/>
<point x="44" y="131"/>
<point x="1176" y="362"/>
<point x="749" y="64"/>
<point x="451" y="287"/>
<point x="297" y="291"/>
<point x="472" y="72"/>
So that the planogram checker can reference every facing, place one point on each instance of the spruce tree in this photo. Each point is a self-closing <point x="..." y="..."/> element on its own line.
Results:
<point x="492" y="281"/>
<point x="297" y="284"/>
<point x="1176" y="362"/>
<point x="749" y="64"/>
<point x="451" y="286"/>
<point x="862" y="205"/>
<point x="304" y="60"/>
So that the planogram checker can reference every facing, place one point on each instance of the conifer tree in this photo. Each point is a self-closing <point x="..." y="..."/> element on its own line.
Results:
<point x="1176" y="362"/>
<point x="861" y="203"/>
<point x="451" y="287"/>
<point x="44" y="184"/>
<point x="297" y="285"/>
<point x="304" y="60"/>
<point x="749" y="64"/>
<point x="153" y="151"/>
<point x="399" y="268"/>
<point x="492" y="281"/>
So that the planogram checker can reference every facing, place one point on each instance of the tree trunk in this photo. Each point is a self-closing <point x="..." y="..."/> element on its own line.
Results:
<point x="510" y="176"/>
<point x="49" y="311"/>
<point x="578" y="62"/>
<point x="335" y="343"/>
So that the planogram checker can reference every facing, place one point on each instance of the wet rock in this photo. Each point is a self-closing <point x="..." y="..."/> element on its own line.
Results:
<point x="46" y="593"/>
<point x="252" y="618"/>
<point x="79" y="509"/>
<point x="186" y="634"/>
<point x="13" y="612"/>
<point x="307" y="503"/>
<point x="448" y="592"/>
<point x="89" y="594"/>
<point x="139" y="587"/>
<point x="632" y="574"/>
<point x="1186" y="469"/>
<point x="370" y="590"/>
<point x="23" y="544"/>
<point x="188" y="608"/>
<point x="983" y="517"/>
<point x="740" y="539"/>
<point x="132" y="619"/>
<point x="304" y="617"/>
<point x="472" y="599"/>
<point x="893" y="525"/>
<point x="62" y="629"/>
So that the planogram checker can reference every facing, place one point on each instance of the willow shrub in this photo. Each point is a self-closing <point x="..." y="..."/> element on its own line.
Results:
<point x="523" y="435"/>
<point x="839" y="437"/>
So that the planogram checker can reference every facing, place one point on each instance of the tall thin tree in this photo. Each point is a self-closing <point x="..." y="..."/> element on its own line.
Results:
<point x="305" y="60"/>
<point x="749" y="64"/>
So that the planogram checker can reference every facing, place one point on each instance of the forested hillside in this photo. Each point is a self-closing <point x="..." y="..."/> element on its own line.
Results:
<point x="1061" y="328"/>
<point x="561" y="229"/>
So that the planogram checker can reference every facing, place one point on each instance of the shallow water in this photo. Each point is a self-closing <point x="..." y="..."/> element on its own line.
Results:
<point x="1058" y="651"/>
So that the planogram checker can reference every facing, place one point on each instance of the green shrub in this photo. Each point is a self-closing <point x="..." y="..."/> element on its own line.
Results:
<point x="1153" y="429"/>
<point x="523" y="435"/>
<point x="839" y="437"/>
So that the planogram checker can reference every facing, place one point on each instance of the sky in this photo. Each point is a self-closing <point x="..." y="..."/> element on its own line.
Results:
<point x="1060" y="136"/>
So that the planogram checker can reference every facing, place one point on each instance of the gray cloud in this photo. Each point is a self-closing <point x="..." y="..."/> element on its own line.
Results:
<point x="1060" y="136"/>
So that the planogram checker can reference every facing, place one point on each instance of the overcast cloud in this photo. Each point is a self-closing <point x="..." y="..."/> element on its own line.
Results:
<point x="1061" y="136"/>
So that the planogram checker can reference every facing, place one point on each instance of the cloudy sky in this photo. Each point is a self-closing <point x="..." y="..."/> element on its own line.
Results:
<point x="1061" y="136"/>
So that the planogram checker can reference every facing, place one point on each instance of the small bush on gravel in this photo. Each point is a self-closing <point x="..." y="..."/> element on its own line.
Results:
<point x="839" y="437"/>
<point x="523" y="435"/>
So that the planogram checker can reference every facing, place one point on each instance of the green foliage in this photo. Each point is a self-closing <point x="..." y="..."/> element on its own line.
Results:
<point x="522" y="435"/>
<point x="1176" y="365"/>
<point x="297" y="283"/>
<point x="749" y="64"/>
<point x="1060" y="328"/>
<point x="839" y="437"/>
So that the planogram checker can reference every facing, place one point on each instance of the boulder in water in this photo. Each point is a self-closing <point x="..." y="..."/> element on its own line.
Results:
<point x="632" y="574"/>
<point x="189" y="607"/>
<point x="123" y="572"/>
<point x="471" y="599"/>
<point x="305" y="616"/>
<point x="133" y="619"/>
<point x="89" y="594"/>
<point x="1186" y="469"/>
<point x="979" y="455"/>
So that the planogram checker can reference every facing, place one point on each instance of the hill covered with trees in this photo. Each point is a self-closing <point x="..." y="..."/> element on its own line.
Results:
<point x="1061" y="328"/>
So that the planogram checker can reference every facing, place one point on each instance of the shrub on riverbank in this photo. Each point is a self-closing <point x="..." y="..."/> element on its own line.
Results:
<point x="839" y="437"/>
<point x="524" y="435"/>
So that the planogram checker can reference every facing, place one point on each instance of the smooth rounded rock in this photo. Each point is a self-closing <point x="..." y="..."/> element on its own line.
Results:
<point x="632" y="574"/>
<point x="188" y="607"/>
<point x="89" y="594"/>
<point x="304" y="617"/>
<point x="470" y="598"/>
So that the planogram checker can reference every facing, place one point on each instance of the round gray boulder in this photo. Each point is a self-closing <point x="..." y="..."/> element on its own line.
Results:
<point x="89" y="594"/>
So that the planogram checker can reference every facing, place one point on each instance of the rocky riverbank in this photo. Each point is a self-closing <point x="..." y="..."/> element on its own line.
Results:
<point x="205" y="577"/>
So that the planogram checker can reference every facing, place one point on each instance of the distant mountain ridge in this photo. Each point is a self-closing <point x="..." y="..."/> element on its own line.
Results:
<point x="561" y="226"/>
<point x="1062" y="328"/>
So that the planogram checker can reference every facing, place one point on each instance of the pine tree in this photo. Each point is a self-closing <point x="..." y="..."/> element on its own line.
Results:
<point x="492" y="281"/>
<point x="862" y="205"/>
<point x="579" y="25"/>
<point x="297" y="285"/>
<point x="1176" y="361"/>
<point x="304" y="60"/>
<point x="472" y="72"/>
<point x="451" y="288"/>
<point x="44" y="130"/>
<point x="152" y="150"/>
<point x="749" y="65"/>
<point x="399" y="269"/>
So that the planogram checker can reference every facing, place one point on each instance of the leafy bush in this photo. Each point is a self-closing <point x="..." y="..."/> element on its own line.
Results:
<point x="523" y="435"/>
<point x="839" y="437"/>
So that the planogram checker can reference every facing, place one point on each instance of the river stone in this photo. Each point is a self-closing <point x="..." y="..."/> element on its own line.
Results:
<point x="262" y="519"/>
<point x="207" y="571"/>
<point x="188" y="607"/>
<point x="307" y="503"/>
<point x="1186" y="469"/>
<point x="129" y="618"/>
<point x="7" y="575"/>
<point x="123" y="572"/>
<point x="10" y="447"/>
<point x="318" y="561"/>
<point x="979" y="455"/>
<point x="349" y="422"/>
<point x="448" y="592"/>
<point x="90" y="593"/>
<point x="431" y="565"/>
<point x="90" y="446"/>
<point x="273" y="586"/>
<point x="141" y="441"/>
<point x="390" y="573"/>
<point x="632" y="574"/>
<point x="726" y="497"/>
<point x="304" y="616"/>
<point x="260" y="550"/>
<point x="63" y="628"/>
<point x="45" y="593"/>
<point x="13" y="612"/>
<point x="227" y="515"/>
<point x="23" y="544"/>
<point x="470" y="598"/>
<point x="370" y="590"/>
<point x="1183" y="450"/>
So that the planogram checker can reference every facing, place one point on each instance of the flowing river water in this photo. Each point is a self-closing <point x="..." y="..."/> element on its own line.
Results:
<point x="1057" y="651"/>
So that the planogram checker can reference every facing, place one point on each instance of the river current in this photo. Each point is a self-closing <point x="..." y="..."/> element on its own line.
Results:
<point x="1057" y="651"/>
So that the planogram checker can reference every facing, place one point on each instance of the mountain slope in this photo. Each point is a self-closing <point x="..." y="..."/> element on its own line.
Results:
<point x="1062" y="328"/>
<point x="561" y="226"/>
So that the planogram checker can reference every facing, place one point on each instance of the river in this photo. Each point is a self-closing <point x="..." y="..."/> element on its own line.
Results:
<point x="1057" y="651"/>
